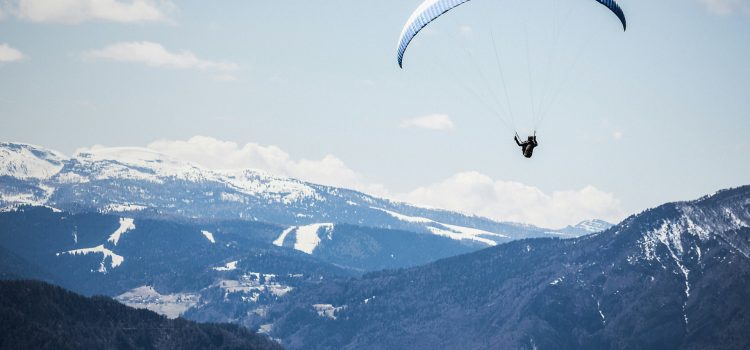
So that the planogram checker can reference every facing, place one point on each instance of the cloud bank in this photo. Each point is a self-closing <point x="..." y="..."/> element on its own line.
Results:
<point x="78" y="11"/>
<point x="467" y="192"/>
<point x="155" y="55"/>
<point x="439" y="122"/>
<point x="9" y="54"/>
<point x="476" y="193"/>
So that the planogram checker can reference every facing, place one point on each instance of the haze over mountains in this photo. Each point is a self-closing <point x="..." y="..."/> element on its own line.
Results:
<point x="318" y="267"/>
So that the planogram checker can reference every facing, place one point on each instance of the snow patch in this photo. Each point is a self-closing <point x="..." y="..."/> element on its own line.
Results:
<point x="405" y="218"/>
<point x="459" y="233"/>
<point x="454" y="232"/>
<point x="120" y="208"/>
<point x="232" y="197"/>
<point x="18" y="199"/>
<point x="670" y="235"/>
<point x="734" y="218"/>
<point x="601" y="314"/>
<point x="280" y="241"/>
<point x="115" y="260"/>
<point x="71" y="178"/>
<point x="308" y="237"/>
<point x="230" y="266"/>
<point x="126" y="224"/>
<point x="209" y="236"/>
<point x="265" y="328"/>
<point x="327" y="310"/>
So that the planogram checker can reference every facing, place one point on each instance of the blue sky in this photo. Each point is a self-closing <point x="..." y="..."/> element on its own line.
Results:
<point x="311" y="89"/>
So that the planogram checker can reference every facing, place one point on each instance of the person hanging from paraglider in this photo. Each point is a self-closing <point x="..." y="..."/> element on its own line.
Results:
<point x="527" y="147"/>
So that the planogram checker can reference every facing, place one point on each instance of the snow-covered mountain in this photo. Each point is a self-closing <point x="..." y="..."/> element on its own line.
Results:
<point x="28" y="162"/>
<point x="588" y="226"/>
<point x="673" y="277"/>
<point x="145" y="183"/>
<point x="675" y="274"/>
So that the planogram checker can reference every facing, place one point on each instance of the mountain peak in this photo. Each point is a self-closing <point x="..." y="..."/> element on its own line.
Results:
<point x="25" y="161"/>
<point x="720" y="215"/>
<point x="586" y="227"/>
<point x="593" y="225"/>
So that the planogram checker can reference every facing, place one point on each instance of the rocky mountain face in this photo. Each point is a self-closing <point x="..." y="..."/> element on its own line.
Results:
<point x="673" y="277"/>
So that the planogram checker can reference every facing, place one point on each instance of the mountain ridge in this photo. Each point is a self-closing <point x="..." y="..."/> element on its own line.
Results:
<point x="143" y="182"/>
<point x="664" y="278"/>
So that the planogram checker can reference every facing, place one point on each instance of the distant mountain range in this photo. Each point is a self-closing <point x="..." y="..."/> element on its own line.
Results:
<point x="142" y="182"/>
<point x="343" y="227"/>
<point x="673" y="277"/>
<point x="318" y="267"/>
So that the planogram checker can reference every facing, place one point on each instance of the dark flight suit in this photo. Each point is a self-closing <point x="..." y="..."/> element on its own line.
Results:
<point x="527" y="147"/>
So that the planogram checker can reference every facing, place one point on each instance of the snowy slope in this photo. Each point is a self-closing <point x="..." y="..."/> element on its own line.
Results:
<point x="107" y="256"/>
<point x="141" y="182"/>
<point x="307" y="237"/>
<point x="126" y="224"/>
<point x="22" y="161"/>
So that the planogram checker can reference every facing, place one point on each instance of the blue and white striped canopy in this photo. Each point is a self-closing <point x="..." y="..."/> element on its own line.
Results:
<point x="430" y="10"/>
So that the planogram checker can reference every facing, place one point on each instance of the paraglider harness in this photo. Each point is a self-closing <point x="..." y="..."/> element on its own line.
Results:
<point x="527" y="147"/>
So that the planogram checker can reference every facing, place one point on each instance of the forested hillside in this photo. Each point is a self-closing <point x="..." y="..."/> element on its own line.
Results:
<point x="36" y="315"/>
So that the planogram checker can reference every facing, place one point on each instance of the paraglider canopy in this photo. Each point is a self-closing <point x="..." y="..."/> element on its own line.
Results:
<point x="430" y="10"/>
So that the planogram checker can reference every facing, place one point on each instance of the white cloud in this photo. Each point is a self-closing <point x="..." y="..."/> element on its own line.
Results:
<point x="440" y="122"/>
<point x="9" y="54"/>
<point x="476" y="193"/>
<point x="468" y="192"/>
<point x="225" y="155"/>
<point x="617" y="135"/>
<point x="155" y="55"/>
<point x="728" y="7"/>
<point x="77" y="11"/>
